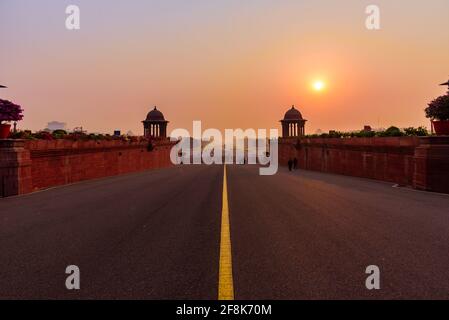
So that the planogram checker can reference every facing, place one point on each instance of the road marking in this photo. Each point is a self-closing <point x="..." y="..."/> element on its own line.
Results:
<point x="225" y="279"/>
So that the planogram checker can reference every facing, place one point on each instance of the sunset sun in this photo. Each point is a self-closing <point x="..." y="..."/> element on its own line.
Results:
<point x="319" y="85"/>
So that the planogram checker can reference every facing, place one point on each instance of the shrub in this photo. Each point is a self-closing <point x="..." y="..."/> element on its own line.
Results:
<point x="76" y="136"/>
<point x="95" y="136"/>
<point x="391" y="132"/>
<point x="44" y="135"/>
<point x="367" y="134"/>
<point x="418" y="132"/>
<point x="59" y="134"/>
<point x="22" y="135"/>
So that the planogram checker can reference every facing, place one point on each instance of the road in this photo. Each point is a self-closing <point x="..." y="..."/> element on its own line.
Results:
<point x="156" y="235"/>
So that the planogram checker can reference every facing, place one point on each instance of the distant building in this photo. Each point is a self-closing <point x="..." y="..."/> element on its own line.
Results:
<point x="55" y="125"/>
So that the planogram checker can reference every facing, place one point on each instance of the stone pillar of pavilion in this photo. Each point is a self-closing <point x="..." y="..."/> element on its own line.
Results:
<point x="155" y="125"/>
<point x="293" y="124"/>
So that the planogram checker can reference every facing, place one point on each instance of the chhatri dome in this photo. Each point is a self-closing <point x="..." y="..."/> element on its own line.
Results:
<point x="155" y="115"/>
<point x="155" y="125"/>
<point x="293" y="114"/>
<point x="293" y="124"/>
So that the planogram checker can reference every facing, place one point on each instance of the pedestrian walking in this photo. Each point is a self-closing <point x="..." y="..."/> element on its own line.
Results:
<point x="290" y="165"/>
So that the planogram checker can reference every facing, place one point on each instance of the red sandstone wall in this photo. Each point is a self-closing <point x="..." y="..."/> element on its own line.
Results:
<point x="31" y="165"/>
<point x="387" y="159"/>
<point x="62" y="162"/>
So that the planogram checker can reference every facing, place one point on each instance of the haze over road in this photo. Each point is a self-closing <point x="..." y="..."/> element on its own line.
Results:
<point x="156" y="235"/>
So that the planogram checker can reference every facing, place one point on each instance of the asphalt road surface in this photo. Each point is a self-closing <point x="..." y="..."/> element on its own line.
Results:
<point x="156" y="235"/>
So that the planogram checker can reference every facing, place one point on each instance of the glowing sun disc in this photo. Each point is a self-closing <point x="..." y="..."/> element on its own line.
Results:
<point x="318" y="85"/>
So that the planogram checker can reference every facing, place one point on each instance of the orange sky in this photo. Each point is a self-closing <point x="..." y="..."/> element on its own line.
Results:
<point x="226" y="63"/>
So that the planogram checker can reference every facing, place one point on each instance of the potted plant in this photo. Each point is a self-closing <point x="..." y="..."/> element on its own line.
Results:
<point x="438" y="112"/>
<point x="8" y="112"/>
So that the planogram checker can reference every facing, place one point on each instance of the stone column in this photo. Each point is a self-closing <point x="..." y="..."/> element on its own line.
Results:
<point x="15" y="168"/>
<point x="164" y="130"/>
<point x="432" y="164"/>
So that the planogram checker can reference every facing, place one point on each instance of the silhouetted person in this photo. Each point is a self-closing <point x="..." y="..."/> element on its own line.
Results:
<point x="290" y="165"/>
<point x="295" y="163"/>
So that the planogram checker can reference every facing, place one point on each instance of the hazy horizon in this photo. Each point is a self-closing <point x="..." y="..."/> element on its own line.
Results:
<point x="227" y="63"/>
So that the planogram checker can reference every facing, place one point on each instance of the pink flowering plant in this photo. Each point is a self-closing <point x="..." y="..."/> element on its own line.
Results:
<point x="10" y="111"/>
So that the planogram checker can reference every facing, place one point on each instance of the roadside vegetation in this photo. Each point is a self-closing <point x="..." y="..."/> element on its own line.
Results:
<point x="75" y="136"/>
<point x="390" y="132"/>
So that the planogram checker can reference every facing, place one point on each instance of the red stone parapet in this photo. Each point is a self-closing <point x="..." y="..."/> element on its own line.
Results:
<point x="422" y="163"/>
<point x="31" y="165"/>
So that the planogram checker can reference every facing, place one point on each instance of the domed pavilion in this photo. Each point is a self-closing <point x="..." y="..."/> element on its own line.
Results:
<point x="155" y="125"/>
<point x="293" y="124"/>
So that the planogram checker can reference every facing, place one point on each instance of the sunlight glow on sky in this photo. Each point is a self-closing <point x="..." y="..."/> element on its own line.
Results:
<point x="228" y="63"/>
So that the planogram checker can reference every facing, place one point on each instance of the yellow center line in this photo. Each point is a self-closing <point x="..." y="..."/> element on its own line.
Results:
<point x="225" y="279"/>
